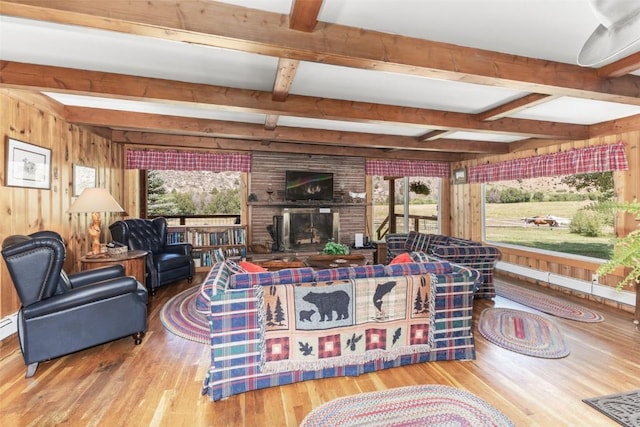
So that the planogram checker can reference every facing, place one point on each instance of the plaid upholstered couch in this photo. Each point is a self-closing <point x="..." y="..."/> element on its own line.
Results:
<point x="452" y="249"/>
<point x="275" y="328"/>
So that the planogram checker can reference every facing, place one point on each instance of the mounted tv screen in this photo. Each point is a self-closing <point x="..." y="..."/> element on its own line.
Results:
<point x="304" y="185"/>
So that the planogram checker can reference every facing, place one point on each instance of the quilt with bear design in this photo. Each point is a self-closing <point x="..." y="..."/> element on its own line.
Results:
<point x="320" y="325"/>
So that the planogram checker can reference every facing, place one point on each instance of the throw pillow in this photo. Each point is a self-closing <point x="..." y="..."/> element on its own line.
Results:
<point x="250" y="267"/>
<point x="403" y="258"/>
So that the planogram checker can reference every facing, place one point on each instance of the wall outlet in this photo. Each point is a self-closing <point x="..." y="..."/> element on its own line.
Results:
<point x="594" y="279"/>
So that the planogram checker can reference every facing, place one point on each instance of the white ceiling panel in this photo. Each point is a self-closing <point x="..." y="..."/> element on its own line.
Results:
<point x="578" y="111"/>
<point x="326" y="81"/>
<point x="275" y="6"/>
<point x="169" y="109"/>
<point x="350" y="126"/>
<point x="483" y="136"/>
<point x="46" y="43"/>
<point x="547" y="29"/>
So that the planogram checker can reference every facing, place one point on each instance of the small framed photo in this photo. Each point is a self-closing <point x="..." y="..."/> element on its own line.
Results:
<point x="83" y="177"/>
<point x="28" y="165"/>
<point x="460" y="176"/>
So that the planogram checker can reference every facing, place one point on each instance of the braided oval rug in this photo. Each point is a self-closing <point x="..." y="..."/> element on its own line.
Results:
<point x="422" y="405"/>
<point x="522" y="332"/>
<point x="546" y="303"/>
<point x="180" y="317"/>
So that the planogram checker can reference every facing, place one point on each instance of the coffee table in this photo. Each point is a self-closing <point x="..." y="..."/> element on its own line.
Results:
<point x="279" y="264"/>
<point x="334" y="261"/>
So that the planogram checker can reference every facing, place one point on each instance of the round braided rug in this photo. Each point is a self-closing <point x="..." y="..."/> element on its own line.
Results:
<point x="422" y="405"/>
<point x="179" y="316"/>
<point x="546" y="303"/>
<point x="522" y="332"/>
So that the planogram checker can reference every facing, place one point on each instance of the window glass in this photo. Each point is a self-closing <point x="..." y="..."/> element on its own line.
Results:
<point x="184" y="193"/>
<point x="551" y="214"/>
<point x="424" y="195"/>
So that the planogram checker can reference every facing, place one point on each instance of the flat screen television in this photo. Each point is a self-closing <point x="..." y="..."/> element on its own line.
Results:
<point x="306" y="185"/>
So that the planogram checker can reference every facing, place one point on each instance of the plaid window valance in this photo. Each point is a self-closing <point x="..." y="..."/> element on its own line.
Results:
<point x="188" y="161"/>
<point x="407" y="168"/>
<point x="599" y="158"/>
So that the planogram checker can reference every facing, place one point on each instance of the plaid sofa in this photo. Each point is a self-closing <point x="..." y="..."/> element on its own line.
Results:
<point x="452" y="249"/>
<point x="241" y="313"/>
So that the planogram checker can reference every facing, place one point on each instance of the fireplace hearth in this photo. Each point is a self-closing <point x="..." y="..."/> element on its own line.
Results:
<point x="309" y="228"/>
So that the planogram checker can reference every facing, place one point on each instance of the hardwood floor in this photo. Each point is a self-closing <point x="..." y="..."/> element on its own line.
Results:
<point x="158" y="382"/>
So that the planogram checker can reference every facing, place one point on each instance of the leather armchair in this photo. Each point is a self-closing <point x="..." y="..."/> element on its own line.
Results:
<point x="62" y="313"/>
<point x="166" y="262"/>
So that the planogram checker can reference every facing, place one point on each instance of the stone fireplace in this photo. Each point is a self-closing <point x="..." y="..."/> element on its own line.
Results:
<point x="309" y="228"/>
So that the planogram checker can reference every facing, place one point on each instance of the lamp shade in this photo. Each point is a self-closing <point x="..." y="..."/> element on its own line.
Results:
<point x="95" y="200"/>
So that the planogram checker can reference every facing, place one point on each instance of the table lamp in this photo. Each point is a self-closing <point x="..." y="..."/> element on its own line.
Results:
<point x="95" y="200"/>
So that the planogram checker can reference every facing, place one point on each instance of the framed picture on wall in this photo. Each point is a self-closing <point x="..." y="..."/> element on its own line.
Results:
<point x="83" y="177"/>
<point x="460" y="176"/>
<point x="28" y="165"/>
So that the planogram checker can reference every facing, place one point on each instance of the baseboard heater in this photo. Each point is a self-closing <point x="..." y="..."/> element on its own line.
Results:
<point x="624" y="297"/>
<point x="8" y="326"/>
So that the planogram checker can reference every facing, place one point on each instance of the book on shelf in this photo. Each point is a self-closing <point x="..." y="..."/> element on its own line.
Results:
<point x="206" y="237"/>
<point x="208" y="257"/>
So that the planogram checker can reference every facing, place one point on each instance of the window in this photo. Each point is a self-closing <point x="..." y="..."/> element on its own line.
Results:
<point x="423" y="198"/>
<point x="193" y="193"/>
<point x="551" y="214"/>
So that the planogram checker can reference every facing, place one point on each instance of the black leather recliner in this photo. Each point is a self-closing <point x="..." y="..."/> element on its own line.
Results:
<point x="166" y="262"/>
<point x="62" y="313"/>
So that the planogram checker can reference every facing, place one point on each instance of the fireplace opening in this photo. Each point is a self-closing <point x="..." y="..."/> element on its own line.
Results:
<point x="309" y="228"/>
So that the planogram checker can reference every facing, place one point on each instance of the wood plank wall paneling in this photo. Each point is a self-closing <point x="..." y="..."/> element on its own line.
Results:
<point x="270" y="168"/>
<point x="627" y="188"/>
<point x="25" y="210"/>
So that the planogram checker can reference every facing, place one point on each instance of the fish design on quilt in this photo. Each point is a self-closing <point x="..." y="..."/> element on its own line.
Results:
<point x="381" y="290"/>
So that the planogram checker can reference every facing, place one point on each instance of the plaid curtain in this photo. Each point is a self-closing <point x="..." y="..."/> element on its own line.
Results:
<point x="599" y="158"/>
<point x="188" y="161"/>
<point x="407" y="168"/>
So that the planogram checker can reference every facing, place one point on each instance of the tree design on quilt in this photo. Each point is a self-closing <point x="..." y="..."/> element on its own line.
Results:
<point x="274" y="302"/>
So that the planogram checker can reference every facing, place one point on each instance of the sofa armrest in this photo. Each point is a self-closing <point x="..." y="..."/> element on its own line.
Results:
<point x="396" y="244"/>
<point x="466" y="255"/>
<point x="237" y="332"/>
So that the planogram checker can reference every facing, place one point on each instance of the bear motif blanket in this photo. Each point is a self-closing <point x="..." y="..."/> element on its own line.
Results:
<point x="320" y="325"/>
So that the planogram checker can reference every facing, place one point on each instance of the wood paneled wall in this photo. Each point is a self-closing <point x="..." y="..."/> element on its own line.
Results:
<point x="467" y="215"/>
<point x="25" y="210"/>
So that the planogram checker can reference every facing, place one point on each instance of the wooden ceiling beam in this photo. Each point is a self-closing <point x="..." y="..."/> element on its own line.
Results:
<point x="216" y="128"/>
<point x="188" y="141"/>
<point x="226" y="26"/>
<point x="304" y="14"/>
<point x="514" y="106"/>
<point x="67" y="80"/>
<point x="433" y="135"/>
<point x="621" y="67"/>
<point x="271" y="121"/>
<point x="612" y="127"/>
<point x="284" y="78"/>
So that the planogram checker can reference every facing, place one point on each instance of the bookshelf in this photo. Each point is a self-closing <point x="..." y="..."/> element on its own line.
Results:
<point x="211" y="243"/>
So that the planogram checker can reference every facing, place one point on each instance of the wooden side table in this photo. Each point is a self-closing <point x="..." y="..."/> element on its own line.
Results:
<point x="133" y="262"/>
